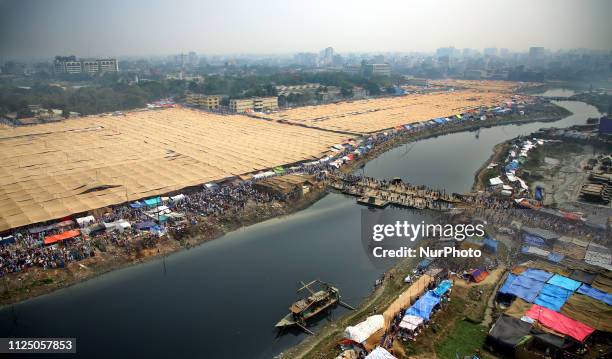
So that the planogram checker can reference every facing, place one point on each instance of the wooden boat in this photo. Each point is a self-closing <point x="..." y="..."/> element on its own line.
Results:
<point x="321" y="296"/>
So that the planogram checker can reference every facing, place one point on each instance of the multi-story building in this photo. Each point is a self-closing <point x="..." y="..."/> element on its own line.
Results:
<point x="254" y="104"/>
<point x="70" y="65"/>
<point x="210" y="102"/>
<point x="377" y="69"/>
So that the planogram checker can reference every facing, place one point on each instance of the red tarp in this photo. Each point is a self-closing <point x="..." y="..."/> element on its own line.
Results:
<point x="62" y="236"/>
<point x="478" y="275"/>
<point x="559" y="322"/>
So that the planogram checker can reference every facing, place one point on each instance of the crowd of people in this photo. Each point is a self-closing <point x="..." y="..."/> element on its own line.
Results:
<point x="228" y="200"/>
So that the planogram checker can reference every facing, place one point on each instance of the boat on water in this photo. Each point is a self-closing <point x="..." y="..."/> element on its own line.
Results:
<point x="321" y="296"/>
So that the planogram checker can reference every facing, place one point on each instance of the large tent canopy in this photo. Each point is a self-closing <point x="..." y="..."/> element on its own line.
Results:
<point x="424" y="306"/>
<point x="559" y="322"/>
<point x="53" y="170"/>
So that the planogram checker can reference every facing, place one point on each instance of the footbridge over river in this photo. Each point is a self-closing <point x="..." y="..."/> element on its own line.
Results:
<point x="380" y="193"/>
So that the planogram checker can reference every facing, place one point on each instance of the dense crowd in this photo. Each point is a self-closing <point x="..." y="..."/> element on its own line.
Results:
<point x="229" y="201"/>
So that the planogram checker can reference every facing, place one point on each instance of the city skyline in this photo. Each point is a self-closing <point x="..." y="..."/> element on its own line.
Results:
<point x="34" y="29"/>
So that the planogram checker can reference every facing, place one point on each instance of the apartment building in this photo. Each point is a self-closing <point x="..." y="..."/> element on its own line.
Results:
<point x="254" y="104"/>
<point x="71" y="65"/>
<point x="210" y="102"/>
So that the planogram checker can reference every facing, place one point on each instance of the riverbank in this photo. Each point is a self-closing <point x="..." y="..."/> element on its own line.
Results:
<point x="35" y="282"/>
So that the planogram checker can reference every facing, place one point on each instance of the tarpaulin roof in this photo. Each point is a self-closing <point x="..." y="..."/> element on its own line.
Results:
<point x="491" y="244"/>
<point x="603" y="282"/>
<point x="478" y="275"/>
<point x="144" y="225"/>
<point x="523" y="287"/>
<point x="538" y="232"/>
<point x="362" y="331"/>
<point x="505" y="288"/>
<point x="411" y="322"/>
<point x="559" y="322"/>
<point x="533" y="240"/>
<point x="553" y="297"/>
<point x="424" y="263"/>
<point x="423" y="307"/>
<point x="62" y="236"/>
<point x="518" y="308"/>
<point x="443" y="287"/>
<point x="582" y="276"/>
<point x="595" y="293"/>
<point x="537" y="274"/>
<point x="508" y="331"/>
<point x="564" y="282"/>
<point x="153" y="202"/>
<point x="589" y="311"/>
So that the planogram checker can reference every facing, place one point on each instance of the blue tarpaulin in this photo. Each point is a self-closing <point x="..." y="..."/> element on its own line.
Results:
<point x="439" y="121"/>
<point x="443" y="287"/>
<point x="553" y="297"/>
<point x="564" y="282"/>
<point x="137" y="204"/>
<point x="527" y="285"/>
<point x="537" y="274"/>
<point x="424" y="263"/>
<point x="506" y="287"/>
<point x="153" y="202"/>
<point x="144" y="225"/>
<point x="423" y="307"/>
<point x="533" y="240"/>
<point x="595" y="294"/>
<point x="490" y="244"/>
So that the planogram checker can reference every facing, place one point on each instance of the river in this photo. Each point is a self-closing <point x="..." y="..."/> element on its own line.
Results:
<point x="222" y="299"/>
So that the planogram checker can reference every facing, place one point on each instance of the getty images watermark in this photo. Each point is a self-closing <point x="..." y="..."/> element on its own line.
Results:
<point x="388" y="235"/>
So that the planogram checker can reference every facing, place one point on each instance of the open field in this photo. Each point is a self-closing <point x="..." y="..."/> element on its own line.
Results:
<point x="49" y="171"/>
<point x="371" y="115"/>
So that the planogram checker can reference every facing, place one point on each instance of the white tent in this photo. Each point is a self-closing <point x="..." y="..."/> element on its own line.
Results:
<point x="380" y="353"/>
<point x="411" y="322"/>
<point x="84" y="221"/>
<point x="495" y="181"/>
<point x="362" y="331"/>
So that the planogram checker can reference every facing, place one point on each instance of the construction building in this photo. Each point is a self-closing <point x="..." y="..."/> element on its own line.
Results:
<point x="70" y="65"/>
<point x="258" y="104"/>
<point x="210" y="102"/>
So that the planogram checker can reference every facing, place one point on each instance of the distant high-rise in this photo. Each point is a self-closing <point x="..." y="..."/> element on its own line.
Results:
<point x="536" y="56"/>
<point x="326" y="56"/>
<point x="70" y="65"/>
<point x="193" y="59"/>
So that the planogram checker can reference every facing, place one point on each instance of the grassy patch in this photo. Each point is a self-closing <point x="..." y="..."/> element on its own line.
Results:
<point x="465" y="339"/>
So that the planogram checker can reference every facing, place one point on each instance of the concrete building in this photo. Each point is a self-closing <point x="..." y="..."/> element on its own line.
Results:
<point x="70" y="65"/>
<point x="377" y="69"/>
<point x="359" y="92"/>
<point x="210" y="102"/>
<point x="297" y="89"/>
<point x="254" y="104"/>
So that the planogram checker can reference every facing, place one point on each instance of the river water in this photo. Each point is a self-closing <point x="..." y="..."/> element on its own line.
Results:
<point x="222" y="299"/>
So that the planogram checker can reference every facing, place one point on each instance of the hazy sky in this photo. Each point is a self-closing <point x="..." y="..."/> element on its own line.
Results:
<point x="30" y="28"/>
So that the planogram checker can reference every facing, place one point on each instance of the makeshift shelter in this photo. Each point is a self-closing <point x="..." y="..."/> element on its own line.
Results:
<point x="153" y="202"/>
<point x="362" y="331"/>
<point x="443" y="287"/>
<point x="582" y="276"/>
<point x="538" y="236"/>
<point x="424" y="306"/>
<point x="491" y="244"/>
<point x="85" y="221"/>
<point x="144" y="225"/>
<point x="603" y="282"/>
<point x="518" y="308"/>
<point x="478" y="275"/>
<point x="595" y="293"/>
<point x="564" y="282"/>
<point x="559" y="322"/>
<point x="411" y="322"/>
<point x="380" y="353"/>
<point x="506" y="333"/>
<point x="553" y="297"/>
<point x="526" y="285"/>
<point x="570" y="247"/>
<point x="62" y="236"/>
<point x="589" y="311"/>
